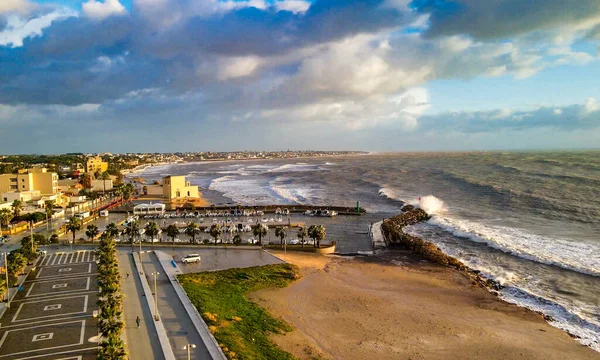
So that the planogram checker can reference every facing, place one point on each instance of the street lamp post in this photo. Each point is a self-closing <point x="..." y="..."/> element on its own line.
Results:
<point x="155" y="274"/>
<point x="189" y="348"/>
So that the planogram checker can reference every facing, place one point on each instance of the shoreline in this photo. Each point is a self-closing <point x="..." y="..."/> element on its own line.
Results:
<point x="394" y="305"/>
<point x="392" y="230"/>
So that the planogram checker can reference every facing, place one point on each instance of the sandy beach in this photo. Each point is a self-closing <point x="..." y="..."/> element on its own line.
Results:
<point x="369" y="308"/>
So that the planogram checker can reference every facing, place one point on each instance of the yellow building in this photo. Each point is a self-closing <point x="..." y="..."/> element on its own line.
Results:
<point x="95" y="164"/>
<point x="175" y="187"/>
<point x="29" y="180"/>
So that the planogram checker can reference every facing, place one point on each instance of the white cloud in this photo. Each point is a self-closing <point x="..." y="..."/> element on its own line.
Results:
<point x="101" y="10"/>
<point x="21" y="6"/>
<point x="295" y="6"/>
<point x="17" y="29"/>
<point x="235" y="67"/>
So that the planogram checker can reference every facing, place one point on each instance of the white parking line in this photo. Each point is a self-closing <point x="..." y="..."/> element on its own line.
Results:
<point x="60" y="353"/>
<point x="78" y="256"/>
<point x="81" y="338"/>
<point x="55" y="257"/>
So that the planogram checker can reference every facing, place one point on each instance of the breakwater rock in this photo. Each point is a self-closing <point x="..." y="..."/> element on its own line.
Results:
<point x="395" y="237"/>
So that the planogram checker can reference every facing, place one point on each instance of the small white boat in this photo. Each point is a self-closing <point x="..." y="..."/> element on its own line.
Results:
<point x="103" y="213"/>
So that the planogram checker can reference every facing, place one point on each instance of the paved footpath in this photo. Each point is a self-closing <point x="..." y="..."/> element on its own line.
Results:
<point x="141" y="343"/>
<point x="52" y="316"/>
<point x="179" y="326"/>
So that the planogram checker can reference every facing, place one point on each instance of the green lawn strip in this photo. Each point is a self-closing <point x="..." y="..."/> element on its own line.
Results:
<point x="240" y="325"/>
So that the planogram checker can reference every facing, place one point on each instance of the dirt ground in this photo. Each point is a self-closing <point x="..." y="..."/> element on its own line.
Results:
<point x="345" y="308"/>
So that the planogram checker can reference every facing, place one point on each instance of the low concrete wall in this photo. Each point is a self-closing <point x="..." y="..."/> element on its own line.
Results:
<point x="158" y="325"/>
<point x="210" y="342"/>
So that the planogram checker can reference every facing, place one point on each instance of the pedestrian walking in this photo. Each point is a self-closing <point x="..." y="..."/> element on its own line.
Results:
<point x="137" y="321"/>
<point x="127" y="273"/>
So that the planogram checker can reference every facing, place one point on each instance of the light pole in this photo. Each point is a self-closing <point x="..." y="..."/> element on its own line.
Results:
<point x="155" y="274"/>
<point x="7" y="287"/>
<point x="189" y="348"/>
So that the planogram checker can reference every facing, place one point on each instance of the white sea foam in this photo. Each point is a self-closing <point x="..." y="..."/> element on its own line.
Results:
<point x="430" y="204"/>
<point x="576" y="256"/>
<point x="243" y="190"/>
<point x="569" y="315"/>
<point x="390" y="193"/>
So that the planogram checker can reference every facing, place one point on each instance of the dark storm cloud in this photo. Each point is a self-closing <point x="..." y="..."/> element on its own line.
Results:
<point x="490" y="19"/>
<point x="85" y="61"/>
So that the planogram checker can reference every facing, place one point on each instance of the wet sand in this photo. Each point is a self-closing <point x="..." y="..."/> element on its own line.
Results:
<point x="369" y="308"/>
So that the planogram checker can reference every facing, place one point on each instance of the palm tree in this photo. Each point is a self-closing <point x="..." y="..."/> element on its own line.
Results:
<point x="132" y="230"/>
<point x="216" y="231"/>
<point x="280" y="233"/>
<point x="317" y="233"/>
<point x="152" y="230"/>
<point x="112" y="230"/>
<point x="91" y="232"/>
<point x="53" y="239"/>
<point x="5" y="217"/>
<point x="73" y="226"/>
<point x="172" y="231"/>
<point x="192" y="230"/>
<point x="49" y="207"/>
<point x="17" y="206"/>
<point x="259" y="230"/>
<point x="237" y="239"/>
<point x="302" y="234"/>
<point x="105" y="176"/>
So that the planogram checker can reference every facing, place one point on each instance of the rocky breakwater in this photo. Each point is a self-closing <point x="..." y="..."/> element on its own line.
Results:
<point x="395" y="237"/>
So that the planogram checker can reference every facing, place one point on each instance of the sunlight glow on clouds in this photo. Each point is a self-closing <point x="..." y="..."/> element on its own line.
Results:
<point x="363" y="66"/>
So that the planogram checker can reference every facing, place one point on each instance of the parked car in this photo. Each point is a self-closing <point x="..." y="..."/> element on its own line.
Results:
<point x="191" y="258"/>
<point x="41" y="252"/>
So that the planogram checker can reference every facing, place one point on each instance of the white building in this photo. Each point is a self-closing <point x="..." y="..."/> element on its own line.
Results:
<point x="149" y="209"/>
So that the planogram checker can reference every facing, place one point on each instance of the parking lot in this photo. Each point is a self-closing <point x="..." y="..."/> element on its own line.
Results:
<point x="52" y="316"/>
<point x="220" y="259"/>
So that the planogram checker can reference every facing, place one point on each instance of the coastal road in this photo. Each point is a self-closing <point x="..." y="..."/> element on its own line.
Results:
<point x="52" y="316"/>
<point x="179" y="326"/>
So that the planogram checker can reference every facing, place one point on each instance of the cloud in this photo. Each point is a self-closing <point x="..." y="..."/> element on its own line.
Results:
<point x="18" y="29"/>
<point x="493" y="19"/>
<point x="21" y="6"/>
<point x="575" y="117"/>
<point x="100" y="10"/>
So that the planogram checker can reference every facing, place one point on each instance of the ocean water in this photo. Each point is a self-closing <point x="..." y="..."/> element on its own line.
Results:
<point x="529" y="220"/>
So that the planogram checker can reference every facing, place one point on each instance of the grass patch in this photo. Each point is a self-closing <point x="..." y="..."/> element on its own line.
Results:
<point x="240" y="326"/>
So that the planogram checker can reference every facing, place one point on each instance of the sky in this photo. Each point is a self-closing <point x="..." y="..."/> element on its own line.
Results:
<point x="376" y="75"/>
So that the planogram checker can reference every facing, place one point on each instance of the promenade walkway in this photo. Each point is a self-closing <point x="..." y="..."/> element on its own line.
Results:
<point x="141" y="343"/>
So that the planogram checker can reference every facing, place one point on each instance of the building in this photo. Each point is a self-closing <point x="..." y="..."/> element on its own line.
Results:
<point x="95" y="164"/>
<point x="30" y="180"/>
<point x="175" y="187"/>
<point x="149" y="209"/>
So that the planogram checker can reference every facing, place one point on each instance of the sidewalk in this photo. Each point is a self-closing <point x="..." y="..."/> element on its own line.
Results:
<point x="141" y="343"/>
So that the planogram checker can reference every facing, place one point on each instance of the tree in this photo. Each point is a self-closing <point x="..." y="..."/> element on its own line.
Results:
<point x="132" y="230"/>
<point x="317" y="233"/>
<point x="237" y="239"/>
<point x="151" y="230"/>
<point x="53" y="239"/>
<point x="5" y="217"/>
<point x="302" y="234"/>
<point x="280" y="233"/>
<point x="259" y="230"/>
<point x="105" y="176"/>
<point x="16" y="264"/>
<point x="49" y="207"/>
<point x="172" y="231"/>
<point x="28" y="247"/>
<point x="91" y="232"/>
<point x="17" y="206"/>
<point x="86" y="181"/>
<point x="216" y="231"/>
<point x="112" y="230"/>
<point x="74" y="225"/>
<point x="192" y="230"/>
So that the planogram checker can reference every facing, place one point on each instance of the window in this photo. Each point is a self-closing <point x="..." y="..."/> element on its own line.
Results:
<point x="177" y="194"/>
<point x="188" y="193"/>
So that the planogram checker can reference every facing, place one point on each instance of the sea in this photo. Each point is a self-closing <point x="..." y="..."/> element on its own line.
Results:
<point x="529" y="220"/>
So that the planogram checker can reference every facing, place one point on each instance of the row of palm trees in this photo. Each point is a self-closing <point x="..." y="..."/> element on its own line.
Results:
<point x="110" y="302"/>
<point x="192" y="230"/>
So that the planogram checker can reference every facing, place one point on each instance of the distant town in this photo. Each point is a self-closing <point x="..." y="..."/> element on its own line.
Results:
<point x="38" y="187"/>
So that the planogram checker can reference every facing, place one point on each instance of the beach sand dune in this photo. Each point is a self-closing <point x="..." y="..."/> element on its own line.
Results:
<point x="345" y="308"/>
